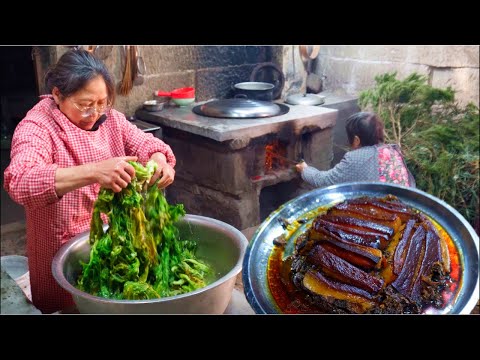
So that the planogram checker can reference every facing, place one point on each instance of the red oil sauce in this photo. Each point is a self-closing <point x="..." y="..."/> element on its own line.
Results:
<point x="451" y="290"/>
<point x="277" y="289"/>
<point x="294" y="302"/>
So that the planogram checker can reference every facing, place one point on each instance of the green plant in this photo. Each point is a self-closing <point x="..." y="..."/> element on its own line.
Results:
<point x="439" y="139"/>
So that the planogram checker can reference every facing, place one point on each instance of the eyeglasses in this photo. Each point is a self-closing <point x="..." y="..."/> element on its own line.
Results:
<point x="87" y="111"/>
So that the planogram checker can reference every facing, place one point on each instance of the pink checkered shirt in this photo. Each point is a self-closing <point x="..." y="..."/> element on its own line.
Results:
<point x="43" y="141"/>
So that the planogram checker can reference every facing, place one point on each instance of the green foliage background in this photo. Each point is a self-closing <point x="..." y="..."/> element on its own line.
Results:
<point x="440" y="140"/>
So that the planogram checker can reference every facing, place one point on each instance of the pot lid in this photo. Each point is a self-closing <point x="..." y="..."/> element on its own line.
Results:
<point x="254" y="85"/>
<point x="305" y="99"/>
<point x="239" y="108"/>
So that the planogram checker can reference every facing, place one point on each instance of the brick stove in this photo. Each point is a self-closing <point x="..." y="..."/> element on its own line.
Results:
<point x="223" y="167"/>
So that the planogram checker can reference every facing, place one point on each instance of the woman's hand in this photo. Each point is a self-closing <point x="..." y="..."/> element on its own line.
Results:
<point x="302" y="166"/>
<point x="115" y="173"/>
<point x="164" y="172"/>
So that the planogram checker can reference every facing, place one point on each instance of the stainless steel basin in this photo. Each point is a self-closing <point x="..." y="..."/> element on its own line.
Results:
<point x="219" y="243"/>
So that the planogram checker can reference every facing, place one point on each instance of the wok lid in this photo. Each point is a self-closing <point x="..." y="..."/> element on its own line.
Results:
<point x="238" y="108"/>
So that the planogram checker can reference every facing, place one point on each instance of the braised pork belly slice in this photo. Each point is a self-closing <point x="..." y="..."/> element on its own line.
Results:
<point x="389" y="220"/>
<point x="414" y="254"/>
<point x="359" y="224"/>
<point x="342" y="271"/>
<point x="356" y="235"/>
<point x="389" y="252"/>
<point x="338" y="294"/>
<point x="387" y="203"/>
<point x="399" y="256"/>
<point x="443" y="248"/>
<point x="379" y="208"/>
<point x="432" y="255"/>
<point x="356" y="254"/>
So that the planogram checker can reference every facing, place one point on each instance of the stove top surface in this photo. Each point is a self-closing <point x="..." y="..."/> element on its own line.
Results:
<point x="224" y="129"/>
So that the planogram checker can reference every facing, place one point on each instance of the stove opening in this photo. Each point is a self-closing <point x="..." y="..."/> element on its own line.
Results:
<point x="272" y="197"/>
<point x="273" y="162"/>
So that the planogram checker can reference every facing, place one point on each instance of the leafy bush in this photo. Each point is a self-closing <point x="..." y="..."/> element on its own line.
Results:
<point x="440" y="140"/>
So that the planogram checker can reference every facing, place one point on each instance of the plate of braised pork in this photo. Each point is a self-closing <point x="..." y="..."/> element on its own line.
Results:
<point x="363" y="248"/>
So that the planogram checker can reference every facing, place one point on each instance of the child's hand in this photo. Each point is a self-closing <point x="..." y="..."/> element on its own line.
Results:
<point x="300" y="167"/>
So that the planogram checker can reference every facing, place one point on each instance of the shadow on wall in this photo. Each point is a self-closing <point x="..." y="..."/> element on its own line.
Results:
<point x="346" y="106"/>
<point x="11" y="211"/>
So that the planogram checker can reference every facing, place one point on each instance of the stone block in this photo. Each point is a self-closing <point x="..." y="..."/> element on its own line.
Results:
<point x="463" y="80"/>
<point x="225" y="171"/>
<point x="337" y="72"/>
<point x="340" y="51"/>
<point x="354" y="76"/>
<point x="241" y="212"/>
<point x="373" y="53"/>
<point x="259" y="54"/>
<point x="167" y="82"/>
<point x="218" y="82"/>
<point x="435" y="55"/>
<point x="383" y="53"/>
<point x="165" y="59"/>
<point x="364" y="73"/>
<point x="224" y="56"/>
<point x="445" y="55"/>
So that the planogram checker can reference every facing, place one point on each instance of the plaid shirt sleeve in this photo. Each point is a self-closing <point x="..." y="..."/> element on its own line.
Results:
<point x="30" y="176"/>
<point x="356" y="165"/>
<point x="141" y="144"/>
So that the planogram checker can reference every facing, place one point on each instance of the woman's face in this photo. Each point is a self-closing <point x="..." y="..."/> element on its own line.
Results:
<point x="85" y="107"/>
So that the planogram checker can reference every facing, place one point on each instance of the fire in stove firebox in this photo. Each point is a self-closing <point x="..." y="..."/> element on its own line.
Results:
<point x="273" y="162"/>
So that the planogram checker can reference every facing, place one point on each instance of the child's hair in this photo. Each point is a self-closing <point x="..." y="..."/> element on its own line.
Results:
<point x="367" y="126"/>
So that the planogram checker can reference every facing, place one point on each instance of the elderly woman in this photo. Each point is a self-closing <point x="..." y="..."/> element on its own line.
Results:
<point x="369" y="160"/>
<point x="69" y="145"/>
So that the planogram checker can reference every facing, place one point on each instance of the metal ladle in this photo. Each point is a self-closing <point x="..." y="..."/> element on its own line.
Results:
<point x="141" y="70"/>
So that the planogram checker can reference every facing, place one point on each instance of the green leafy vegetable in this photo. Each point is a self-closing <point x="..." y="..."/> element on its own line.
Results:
<point x="439" y="138"/>
<point x="140" y="256"/>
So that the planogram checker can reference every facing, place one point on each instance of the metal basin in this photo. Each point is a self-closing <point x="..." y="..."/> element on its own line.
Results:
<point x="219" y="243"/>
<point x="254" y="273"/>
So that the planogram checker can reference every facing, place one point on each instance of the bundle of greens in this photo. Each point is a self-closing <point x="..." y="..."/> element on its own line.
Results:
<point x="439" y="138"/>
<point x="140" y="255"/>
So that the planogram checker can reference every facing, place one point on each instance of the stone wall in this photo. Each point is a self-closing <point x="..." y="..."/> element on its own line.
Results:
<point x="351" y="69"/>
<point x="212" y="70"/>
<point x="212" y="179"/>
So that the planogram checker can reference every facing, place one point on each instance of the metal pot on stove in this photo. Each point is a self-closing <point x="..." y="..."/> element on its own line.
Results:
<point x="254" y="90"/>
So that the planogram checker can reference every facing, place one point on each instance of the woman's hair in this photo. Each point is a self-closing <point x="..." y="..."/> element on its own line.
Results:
<point x="74" y="69"/>
<point x="367" y="126"/>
